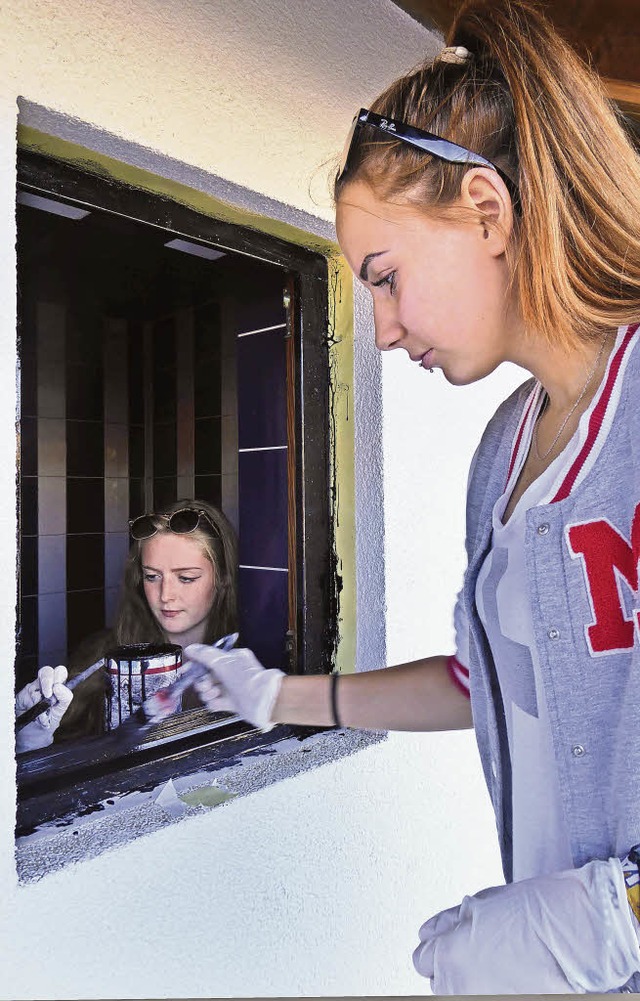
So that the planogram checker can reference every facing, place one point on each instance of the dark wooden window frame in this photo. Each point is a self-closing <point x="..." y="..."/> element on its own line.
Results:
<point x="54" y="783"/>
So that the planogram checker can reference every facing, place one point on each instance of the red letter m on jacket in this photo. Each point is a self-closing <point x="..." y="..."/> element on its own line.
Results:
<point x="608" y="559"/>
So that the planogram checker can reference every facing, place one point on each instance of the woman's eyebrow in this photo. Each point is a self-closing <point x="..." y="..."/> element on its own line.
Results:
<point x="364" y="269"/>
<point x="145" y="566"/>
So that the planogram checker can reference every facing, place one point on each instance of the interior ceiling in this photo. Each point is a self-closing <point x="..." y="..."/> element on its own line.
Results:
<point x="607" y="32"/>
<point x="126" y="264"/>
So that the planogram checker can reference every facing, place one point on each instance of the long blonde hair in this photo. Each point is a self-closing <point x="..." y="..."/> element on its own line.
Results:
<point x="525" y="101"/>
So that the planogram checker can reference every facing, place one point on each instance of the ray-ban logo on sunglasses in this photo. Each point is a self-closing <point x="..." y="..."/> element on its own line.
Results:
<point x="389" y="126"/>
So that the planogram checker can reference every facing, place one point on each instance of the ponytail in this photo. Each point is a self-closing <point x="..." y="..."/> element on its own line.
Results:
<point x="524" y="100"/>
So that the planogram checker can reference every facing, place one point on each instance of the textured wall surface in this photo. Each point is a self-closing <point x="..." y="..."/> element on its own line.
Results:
<point x="260" y="92"/>
<point x="316" y="885"/>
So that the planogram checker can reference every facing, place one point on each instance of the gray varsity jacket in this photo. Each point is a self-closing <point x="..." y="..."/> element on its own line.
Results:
<point x="582" y="557"/>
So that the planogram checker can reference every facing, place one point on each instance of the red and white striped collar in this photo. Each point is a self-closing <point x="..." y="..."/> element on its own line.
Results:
<point x="601" y="412"/>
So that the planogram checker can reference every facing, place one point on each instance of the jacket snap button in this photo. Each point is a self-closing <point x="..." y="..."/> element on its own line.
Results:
<point x="577" y="751"/>
<point x="554" y="634"/>
<point x="543" y="529"/>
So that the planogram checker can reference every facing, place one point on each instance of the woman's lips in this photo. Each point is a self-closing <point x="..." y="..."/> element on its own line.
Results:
<point x="169" y="613"/>
<point x="427" y="359"/>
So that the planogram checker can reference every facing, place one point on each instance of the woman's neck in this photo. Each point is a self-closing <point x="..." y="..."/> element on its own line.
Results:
<point x="194" y="635"/>
<point x="567" y="375"/>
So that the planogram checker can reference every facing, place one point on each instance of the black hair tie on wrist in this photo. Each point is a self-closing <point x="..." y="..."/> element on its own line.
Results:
<point x="334" y="701"/>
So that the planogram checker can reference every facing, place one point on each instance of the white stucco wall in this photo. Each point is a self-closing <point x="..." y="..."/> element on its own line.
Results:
<point x="315" y="886"/>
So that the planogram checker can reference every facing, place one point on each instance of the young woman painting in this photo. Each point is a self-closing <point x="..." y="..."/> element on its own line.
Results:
<point x="490" y="201"/>
<point x="180" y="587"/>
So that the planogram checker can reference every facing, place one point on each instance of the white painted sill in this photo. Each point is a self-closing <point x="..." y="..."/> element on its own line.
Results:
<point x="123" y="817"/>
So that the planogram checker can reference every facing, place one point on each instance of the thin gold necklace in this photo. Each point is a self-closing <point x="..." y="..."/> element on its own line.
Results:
<point x="553" y="444"/>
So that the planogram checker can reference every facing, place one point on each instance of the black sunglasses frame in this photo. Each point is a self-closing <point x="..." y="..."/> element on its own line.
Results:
<point x="147" y="519"/>
<point x="428" y="142"/>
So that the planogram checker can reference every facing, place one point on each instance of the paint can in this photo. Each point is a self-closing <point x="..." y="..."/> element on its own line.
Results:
<point x="135" y="672"/>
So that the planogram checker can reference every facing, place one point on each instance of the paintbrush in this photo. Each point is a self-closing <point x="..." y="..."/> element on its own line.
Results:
<point x="153" y="710"/>
<point x="164" y="702"/>
<point x="29" y="715"/>
<point x="98" y="751"/>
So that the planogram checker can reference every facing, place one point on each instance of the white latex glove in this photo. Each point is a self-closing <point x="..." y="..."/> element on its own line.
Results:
<point x="569" y="932"/>
<point x="237" y="682"/>
<point x="49" y="683"/>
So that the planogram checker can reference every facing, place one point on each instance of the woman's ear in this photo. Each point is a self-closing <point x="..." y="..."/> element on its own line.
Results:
<point x="484" y="191"/>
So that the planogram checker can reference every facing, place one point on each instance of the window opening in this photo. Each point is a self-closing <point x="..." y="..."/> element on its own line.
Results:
<point x="157" y="365"/>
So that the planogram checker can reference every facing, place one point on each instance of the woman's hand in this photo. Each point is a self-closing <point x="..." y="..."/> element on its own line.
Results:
<point x="563" y="933"/>
<point x="236" y="682"/>
<point x="48" y="684"/>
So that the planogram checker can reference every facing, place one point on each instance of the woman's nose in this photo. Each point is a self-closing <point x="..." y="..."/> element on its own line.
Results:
<point x="389" y="331"/>
<point x="166" y="589"/>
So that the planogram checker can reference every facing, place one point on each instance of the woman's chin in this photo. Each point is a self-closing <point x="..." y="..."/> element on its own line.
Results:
<point x="459" y="378"/>
<point x="170" y="628"/>
<point x="465" y="375"/>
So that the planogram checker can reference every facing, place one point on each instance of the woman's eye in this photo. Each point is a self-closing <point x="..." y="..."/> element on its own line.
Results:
<point x="188" y="580"/>
<point x="389" y="280"/>
<point x="150" y="577"/>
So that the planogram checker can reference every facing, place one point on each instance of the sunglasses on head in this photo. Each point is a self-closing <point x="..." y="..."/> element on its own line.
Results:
<point x="428" y="142"/>
<point x="181" y="522"/>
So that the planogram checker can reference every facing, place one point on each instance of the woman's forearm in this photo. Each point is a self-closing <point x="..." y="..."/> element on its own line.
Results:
<point x="415" y="696"/>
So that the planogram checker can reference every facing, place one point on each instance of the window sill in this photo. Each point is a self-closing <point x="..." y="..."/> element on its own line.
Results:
<point x="56" y="828"/>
